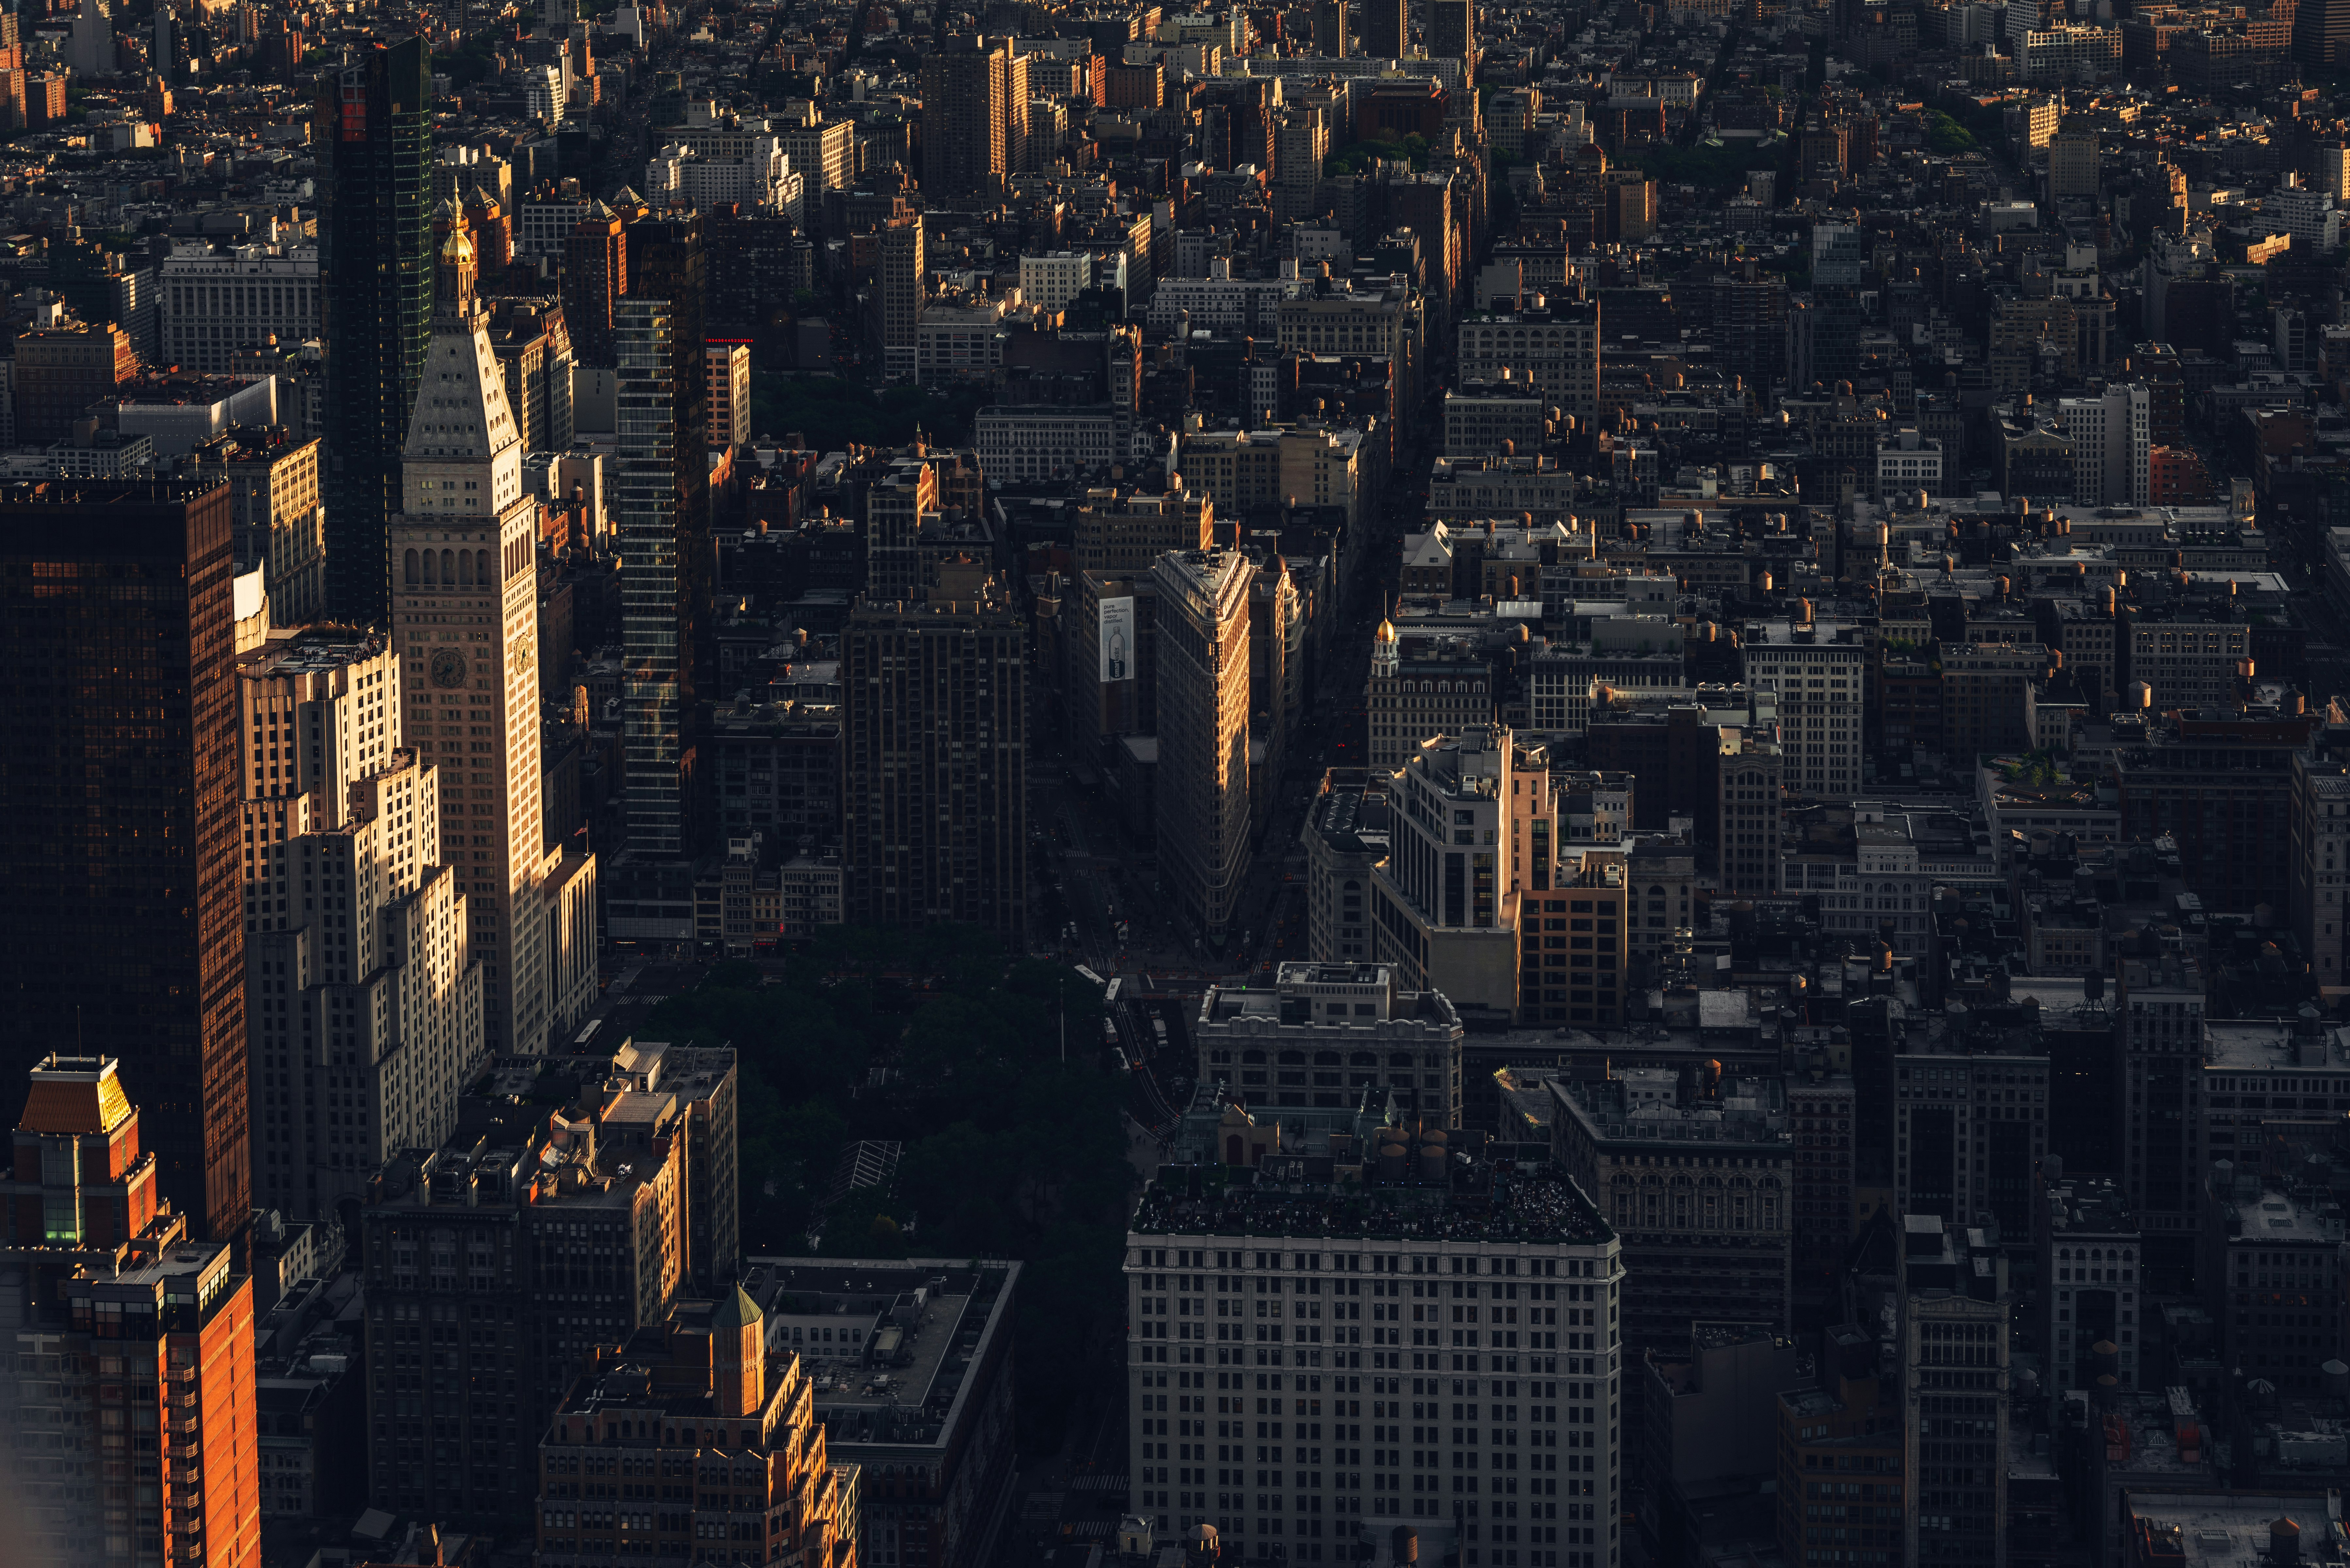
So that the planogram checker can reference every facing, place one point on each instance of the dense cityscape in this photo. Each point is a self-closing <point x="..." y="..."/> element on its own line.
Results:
<point x="772" y="772"/>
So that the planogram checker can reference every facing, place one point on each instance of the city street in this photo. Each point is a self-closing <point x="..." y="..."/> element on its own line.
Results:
<point x="1096" y="876"/>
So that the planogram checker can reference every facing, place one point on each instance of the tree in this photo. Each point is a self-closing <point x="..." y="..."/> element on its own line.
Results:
<point x="1947" y="136"/>
<point x="1010" y="1152"/>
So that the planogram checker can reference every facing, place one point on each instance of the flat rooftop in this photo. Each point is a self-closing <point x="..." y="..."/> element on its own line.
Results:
<point x="2276" y="1218"/>
<point x="1474" y="1200"/>
<point x="2225" y="1530"/>
<point x="1631" y="1106"/>
<point x="911" y="1331"/>
<point x="2251" y="1045"/>
<point x="312" y="650"/>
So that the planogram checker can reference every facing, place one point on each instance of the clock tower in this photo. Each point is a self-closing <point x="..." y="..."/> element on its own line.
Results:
<point x="465" y="560"/>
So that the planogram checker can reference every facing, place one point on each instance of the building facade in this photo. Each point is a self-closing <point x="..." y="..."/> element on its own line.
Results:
<point x="363" y="1004"/>
<point x="934" y="727"/>
<point x="465" y="629"/>
<point x="376" y="266"/>
<point x="144" y="688"/>
<point x="666" y="559"/>
<point x="1201" y="790"/>
<point x="1710" y="1240"/>
<point x="1327" y="1032"/>
<point x="1818" y="669"/>
<point x="214" y="303"/>
<point x="1483" y="1370"/>
<point x="131" y="1365"/>
<point x="703" y="1400"/>
<point x="280" y="523"/>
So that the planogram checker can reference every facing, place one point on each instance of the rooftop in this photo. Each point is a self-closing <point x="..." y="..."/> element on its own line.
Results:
<point x="1649" y="1105"/>
<point x="1302" y="995"/>
<point x="313" y="650"/>
<point x="2258" y="1044"/>
<point x="1454" y="1195"/>
<point x="919" y="1326"/>
<point x="2229" y="1529"/>
<point x="74" y="1094"/>
<point x="2090" y="1204"/>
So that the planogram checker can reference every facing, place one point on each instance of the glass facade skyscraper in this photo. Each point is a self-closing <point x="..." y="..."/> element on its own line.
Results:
<point x="376" y="116"/>
<point x="123" y="932"/>
<point x="669" y="657"/>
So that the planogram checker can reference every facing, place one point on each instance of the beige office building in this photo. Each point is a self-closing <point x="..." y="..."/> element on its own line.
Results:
<point x="1202" y="788"/>
<point x="464" y="625"/>
<point x="363" y="1005"/>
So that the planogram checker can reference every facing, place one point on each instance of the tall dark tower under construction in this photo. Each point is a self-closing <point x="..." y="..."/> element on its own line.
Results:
<point x="376" y="116"/>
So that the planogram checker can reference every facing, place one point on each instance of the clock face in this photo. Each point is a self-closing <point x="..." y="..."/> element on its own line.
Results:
<point x="448" y="667"/>
<point x="523" y="648"/>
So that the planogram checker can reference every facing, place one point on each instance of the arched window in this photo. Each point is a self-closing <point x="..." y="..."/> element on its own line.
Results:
<point x="448" y="567"/>
<point x="1293" y="1058"/>
<point x="1363" y="1059"/>
<point x="1252" y="1058"/>
<point x="464" y="568"/>
<point x="1326" y="1058"/>
<point x="482" y="568"/>
<point x="432" y="571"/>
<point x="411" y="576"/>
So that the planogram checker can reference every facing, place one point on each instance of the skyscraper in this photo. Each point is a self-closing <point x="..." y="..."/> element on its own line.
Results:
<point x="973" y="129"/>
<point x="363" y="1011"/>
<point x="1452" y="31"/>
<point x="376" y="115"/>
<point x="903" y="290"/>
<point x="1387" y="28"/>
<point x="152" y="1461"/>
<point x="2321" y="34"/>
<point x="121" y="934"/>
<point x="896" y="505"/>
<point x="664" y="397"/>
<point x="935" y="733"/>
<point x="1203" y="789"/>
<point x="1330" y="28"/>
<point x="595" y="276"/>
<point x="1823" y="332"/>
<point x="1953" y="1327"/>
<point x="464" y="626"/>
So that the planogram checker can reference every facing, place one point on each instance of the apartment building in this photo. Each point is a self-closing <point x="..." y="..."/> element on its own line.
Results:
<point x="1297" y="1389"/>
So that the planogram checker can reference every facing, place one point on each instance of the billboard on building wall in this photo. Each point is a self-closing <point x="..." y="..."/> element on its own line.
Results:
<point x="1116" y="639"/>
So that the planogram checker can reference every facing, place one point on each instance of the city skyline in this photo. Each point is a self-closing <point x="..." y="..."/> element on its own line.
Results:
<point x="878" y="787"/>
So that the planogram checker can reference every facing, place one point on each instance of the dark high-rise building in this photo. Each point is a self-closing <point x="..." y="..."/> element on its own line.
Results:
<point x="376" y="116"/>
<point x="123" y="932"/>
<point x="2321" y="34"/>
<point x="935" y="731"/>
<point x="595" y="276"/>
<point x="975" y="117"/>
<point x="667" y="636"/>
<point x="1453" y="30"/>
<point x="1387" y="28"/>
<point x="1330" y="28"/>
